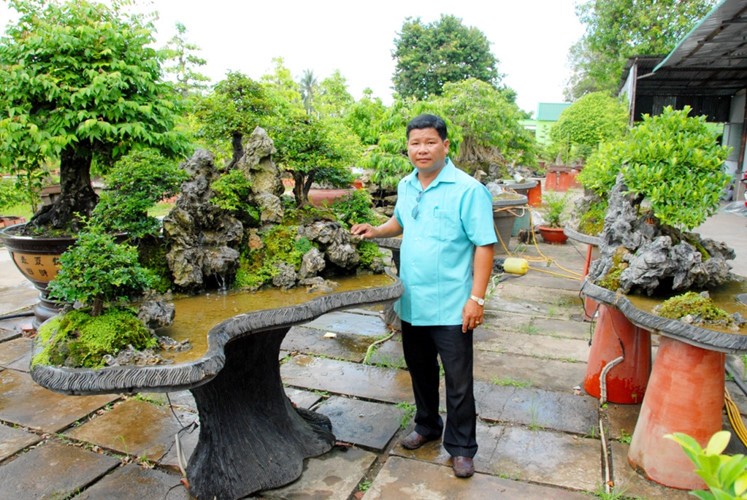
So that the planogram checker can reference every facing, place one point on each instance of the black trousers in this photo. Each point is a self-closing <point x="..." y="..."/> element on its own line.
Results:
<point x="422" y="345"/>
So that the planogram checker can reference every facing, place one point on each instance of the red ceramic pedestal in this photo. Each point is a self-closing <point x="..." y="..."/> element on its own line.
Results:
<point x="685" y="394"/>
<point x="615" y="336"/>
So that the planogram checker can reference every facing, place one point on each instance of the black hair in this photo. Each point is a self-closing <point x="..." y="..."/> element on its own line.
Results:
<point x="428" y="121"/>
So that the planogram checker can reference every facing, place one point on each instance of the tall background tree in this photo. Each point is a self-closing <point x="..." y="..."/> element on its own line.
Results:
<point x="431" y="55"/>
<point x="493" y="138"/>
<point x="591" y="120"/>
<point x="334" y="100"/>
<point x="81" y="84"/>
<point x="309" y="87"/>
<point x="619" y="29"/>
<point x="182" y="63"/>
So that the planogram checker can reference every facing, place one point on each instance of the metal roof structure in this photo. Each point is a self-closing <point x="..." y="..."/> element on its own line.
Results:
<point x="550" y="111"/>
<point x="712" y="57"/>
<point x="705" y="70"/>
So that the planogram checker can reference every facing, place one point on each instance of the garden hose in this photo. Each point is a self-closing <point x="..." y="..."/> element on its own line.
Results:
<point x="571" y="274"/>
<point x="735" y="418"/>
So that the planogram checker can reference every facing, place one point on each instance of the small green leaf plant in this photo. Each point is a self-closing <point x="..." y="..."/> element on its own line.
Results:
<point x="554" y="213"/>
<point x="98" y="270"/>
<point x="725" y="476"/>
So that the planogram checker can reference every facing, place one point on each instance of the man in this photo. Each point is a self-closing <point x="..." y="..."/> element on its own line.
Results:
<point x="446" y="257"/>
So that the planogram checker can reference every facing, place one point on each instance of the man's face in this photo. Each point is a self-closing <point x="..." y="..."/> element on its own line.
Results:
<point x="426" y="150"/>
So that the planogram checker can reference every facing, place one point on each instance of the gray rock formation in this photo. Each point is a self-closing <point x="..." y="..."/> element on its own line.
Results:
<point x="156" y="313"/>
<point x="334" y="241"/>
<point x="267" y="185"/>
<point x="656" y="258"/>
<point x="202" y="238"/>
<point x="312" y="264"/>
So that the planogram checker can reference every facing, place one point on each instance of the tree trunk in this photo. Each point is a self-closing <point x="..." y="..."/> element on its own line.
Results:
<point x="301" y="186"/>
<point x="77" y="197"/>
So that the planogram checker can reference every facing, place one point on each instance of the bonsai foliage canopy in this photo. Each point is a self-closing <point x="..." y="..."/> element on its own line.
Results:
<point x="81" y="84"/>
<point x="671" y="161"/>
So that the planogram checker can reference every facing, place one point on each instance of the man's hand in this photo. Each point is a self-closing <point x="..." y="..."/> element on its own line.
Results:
<point x="366" y="231"/>
<point x="388" y="229"/>
<point x="472" y="315"/>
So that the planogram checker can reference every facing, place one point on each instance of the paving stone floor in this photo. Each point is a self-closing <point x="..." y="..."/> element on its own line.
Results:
<point x="537" y="431"/>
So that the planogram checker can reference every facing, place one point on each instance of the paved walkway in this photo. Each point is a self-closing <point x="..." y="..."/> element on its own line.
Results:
<point x="537" y="430"/>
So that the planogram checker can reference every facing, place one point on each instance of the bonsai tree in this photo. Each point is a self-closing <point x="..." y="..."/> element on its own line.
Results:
<point x="98" y="270"/>
<point x="99" y="276"/>
<point x="661" y="181"/>
<point x="672" y="161"/>
<point x="136" y="183"/>
<point x="315" y="150"/>
<point x="554" y="213"/>
<point x="81" y="86"/>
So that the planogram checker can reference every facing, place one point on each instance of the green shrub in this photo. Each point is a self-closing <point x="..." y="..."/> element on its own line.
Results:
<point x="231" y="192"/>
<point x="355" y="208"/>
<point x="98" y="270"/>
<point x="591" y="120"/>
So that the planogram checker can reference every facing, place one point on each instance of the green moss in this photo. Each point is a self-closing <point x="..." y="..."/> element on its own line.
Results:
<point x="77" y="339"/>
<point x="693" y="304"/>
<point x="611" y="280"/>
<point x="592" y="221"/>
<point x="280" y="244"/>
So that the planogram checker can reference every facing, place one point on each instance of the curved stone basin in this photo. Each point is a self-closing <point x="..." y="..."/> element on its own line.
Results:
<point x="209" y="322"/>
<point x="251" y="436"/>
<point x="638" y="309"/>
<point x="581" y="237"/>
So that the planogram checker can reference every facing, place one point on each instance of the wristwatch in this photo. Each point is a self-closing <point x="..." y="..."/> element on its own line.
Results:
<point x="477" y="299"/>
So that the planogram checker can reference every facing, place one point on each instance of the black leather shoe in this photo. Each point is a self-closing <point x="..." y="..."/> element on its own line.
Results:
<point x="413" y="441"/>
<point x="463" y="466"/>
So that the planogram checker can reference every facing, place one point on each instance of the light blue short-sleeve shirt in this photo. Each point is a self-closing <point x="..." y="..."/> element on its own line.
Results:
<point x="453" y="216"/>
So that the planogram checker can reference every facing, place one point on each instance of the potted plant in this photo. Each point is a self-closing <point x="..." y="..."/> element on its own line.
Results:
<point x="100" y="276"/>
<point x="109" y="99"/>
<point x="554" y="217"/>
<point x="106" y="98"/>
<point x="666" y="179"/>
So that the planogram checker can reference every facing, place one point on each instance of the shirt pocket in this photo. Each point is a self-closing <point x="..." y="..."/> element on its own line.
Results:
<point x="449" y="224"/>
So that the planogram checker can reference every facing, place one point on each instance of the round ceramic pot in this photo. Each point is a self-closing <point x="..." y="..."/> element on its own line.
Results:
<point x="553" y="235"/>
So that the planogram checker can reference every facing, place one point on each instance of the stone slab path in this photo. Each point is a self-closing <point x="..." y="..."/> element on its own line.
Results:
<point x="537" y="430"/>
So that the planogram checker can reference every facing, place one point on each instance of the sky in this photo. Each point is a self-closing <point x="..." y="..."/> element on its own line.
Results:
<point x="530" y="38"/>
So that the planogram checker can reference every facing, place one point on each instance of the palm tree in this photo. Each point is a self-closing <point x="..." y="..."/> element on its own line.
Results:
<point x="308" y="89"/>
